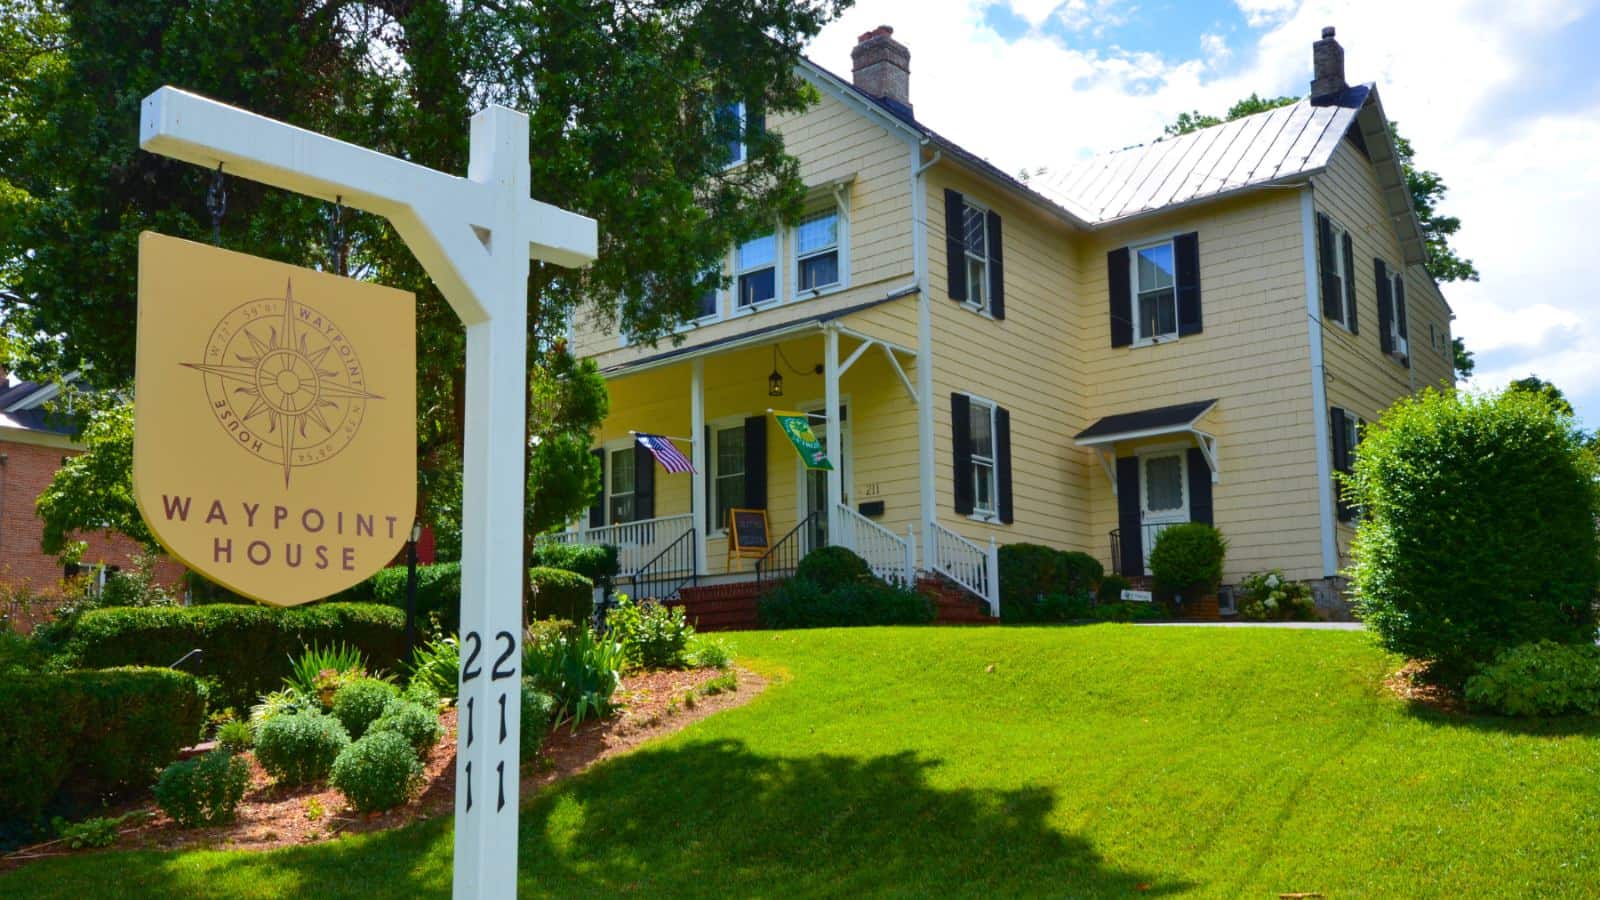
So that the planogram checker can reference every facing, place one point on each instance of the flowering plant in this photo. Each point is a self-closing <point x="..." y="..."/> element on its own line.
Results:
<point x="1268" y="595"/>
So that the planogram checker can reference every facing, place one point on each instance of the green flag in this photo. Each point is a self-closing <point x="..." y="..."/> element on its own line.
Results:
<point x="797" y="426"/>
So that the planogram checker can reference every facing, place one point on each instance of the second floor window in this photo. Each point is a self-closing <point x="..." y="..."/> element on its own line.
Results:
<point x="757" y="261"/>
<point x="1155" y="293"/>
<point x="817" y="249"/>
<point x="1335" y="257"/>
<point x="973" y="261"/>
<point x="620" y="496"/>
<point x="975" y="241"/>
<point x="730" y="124"/>
<point x="1392" y="336"/>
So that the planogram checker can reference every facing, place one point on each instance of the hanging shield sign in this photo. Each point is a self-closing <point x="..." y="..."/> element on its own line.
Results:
<point x="274" y="444"/>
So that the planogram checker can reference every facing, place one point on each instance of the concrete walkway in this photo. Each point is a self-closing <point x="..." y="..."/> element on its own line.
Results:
<point x="1315" y="626"/>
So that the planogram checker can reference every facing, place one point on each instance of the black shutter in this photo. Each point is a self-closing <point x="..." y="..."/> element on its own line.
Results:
<point x="1400" y="314"/>
<point x="644" y="483"/>
<point x="711" y="484"/>
<point x="1118" y="282"/>
<point x="955" y="254"/>
<point x="1330" y="282"/>
<point x="1341" y="458"/>
<point x="755" y="462"/>
<point x="1129" y="524"/>
<point x="1186" y="249"/>
<point x="1002" y="461"/>
<point x="997" y="277"/>
<point x="755" y="122"/>
<point x="1350" y="283"/>
<point x="1199" y="487"/>
<point x="1385" y="305"/>
<point x="597" y="510"/>
<point x="961" y="447"/>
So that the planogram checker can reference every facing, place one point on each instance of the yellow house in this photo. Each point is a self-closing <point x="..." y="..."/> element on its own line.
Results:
<point x="1190" y="330"/>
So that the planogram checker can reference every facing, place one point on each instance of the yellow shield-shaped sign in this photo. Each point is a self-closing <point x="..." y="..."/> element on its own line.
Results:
<point x="274" y="444"/>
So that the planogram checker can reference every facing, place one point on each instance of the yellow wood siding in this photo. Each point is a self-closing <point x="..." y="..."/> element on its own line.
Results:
<point x="833" y="141"/>
<point x="1360" y="377"/>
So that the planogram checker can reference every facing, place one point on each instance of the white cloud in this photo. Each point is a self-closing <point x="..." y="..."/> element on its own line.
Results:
<point x="1525" y="188"/>
<point x="1093" y="16"/>
<point x="1214" y="48"/>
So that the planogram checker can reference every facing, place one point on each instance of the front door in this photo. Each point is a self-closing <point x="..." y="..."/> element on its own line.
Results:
<point x="816" y="480"/>
<point x="1163" y="495"/>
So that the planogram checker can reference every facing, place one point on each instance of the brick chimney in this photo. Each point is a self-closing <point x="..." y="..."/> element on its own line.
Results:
<point x="882" y="66"/>
<point x="1327" y="68"/>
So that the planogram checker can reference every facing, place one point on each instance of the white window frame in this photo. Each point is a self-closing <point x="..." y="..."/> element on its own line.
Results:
<point x="1140" y="339"/>
<point x="718" y="426"/>
<point x="974" y="460"/>
<point x="978" y="298"/>
<point x="741" y="115"/>
<point x="841" y="248"/>
<point x="1339" y="231"/>
<point x="611" y="448"/>
<point x="777" y="275"/>
<point x="1398" y="307"/>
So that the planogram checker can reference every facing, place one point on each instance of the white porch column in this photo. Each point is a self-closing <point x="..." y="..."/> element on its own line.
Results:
<point x="830" y="371"/>
<point x="700" y="456"/>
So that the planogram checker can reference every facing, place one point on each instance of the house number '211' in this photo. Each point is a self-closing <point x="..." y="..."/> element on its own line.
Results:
<point x="471" y="669"/>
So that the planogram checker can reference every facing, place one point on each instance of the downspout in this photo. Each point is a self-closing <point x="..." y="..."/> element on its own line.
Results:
<point x="919" y="257"/>
<point x="1319" y="387"/>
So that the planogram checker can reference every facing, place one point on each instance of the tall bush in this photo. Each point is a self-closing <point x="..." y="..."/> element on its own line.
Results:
<point x="91" y="732"/>
<point x="1039" y="583"/>
<point x="834" y="587"/>
<point x="247" y="650"/>
<point x="1479" y="532"/>
<point x="559" y="594"/>
<point x="1187" y="558"/>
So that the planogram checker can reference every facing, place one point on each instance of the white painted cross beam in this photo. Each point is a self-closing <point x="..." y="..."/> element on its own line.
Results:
<point x="474" y="236"/>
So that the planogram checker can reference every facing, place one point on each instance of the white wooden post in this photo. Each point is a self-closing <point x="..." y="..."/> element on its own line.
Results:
<point x="835" y="479"/>
<point x="911" y="556"/>
<point x="992" y="570"/>
<point x="474" y="237"/>
<point x="699" y="453"/>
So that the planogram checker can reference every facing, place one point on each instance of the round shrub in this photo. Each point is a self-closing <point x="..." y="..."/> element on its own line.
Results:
<point x="300" y="748"/>
<point x="1479" y="530"/>
<point x="1540" y="679"/>
<point x="1187" y="558"/>
<point x="418" y="724"/>
<point x="559" y="594"/>
<point x="1111" y="588"/>
<point x="380" y="771"/>
<point x="1031" y="573"/>
<point x="538" y="714"/>
<point x="830" y="566"/>
<point x="203" y="791"/>
<point x="359" y="702"/>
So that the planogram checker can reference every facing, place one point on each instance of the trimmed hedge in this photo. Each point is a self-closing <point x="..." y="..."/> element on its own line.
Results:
<point x="91" y="731"/>
<point x="1039" y="583"/>
<point x="829" y="590"/>
<point x="247" y="649"/>
<point x="597" y="562"/>
<point x="559" y="594"/>
<point x="439" y="586"/>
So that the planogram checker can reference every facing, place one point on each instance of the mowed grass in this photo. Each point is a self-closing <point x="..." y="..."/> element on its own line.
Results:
<point x="1105" y="760"/>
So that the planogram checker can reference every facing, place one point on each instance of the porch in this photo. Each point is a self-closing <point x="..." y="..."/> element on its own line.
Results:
<point x="715" y="404"/>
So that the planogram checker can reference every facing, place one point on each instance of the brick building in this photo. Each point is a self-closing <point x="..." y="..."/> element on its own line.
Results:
<point x="33" y="445"/>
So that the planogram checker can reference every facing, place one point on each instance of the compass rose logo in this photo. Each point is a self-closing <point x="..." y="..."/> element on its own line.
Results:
<point x="284" y="382"/>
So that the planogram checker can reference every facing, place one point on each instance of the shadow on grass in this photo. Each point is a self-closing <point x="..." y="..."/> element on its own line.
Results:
<point x="714" y="818"/>
<point x="1562" y="726"/>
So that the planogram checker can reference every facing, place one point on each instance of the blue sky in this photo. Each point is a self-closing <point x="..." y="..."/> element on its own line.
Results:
<point x="1501" y="98"/>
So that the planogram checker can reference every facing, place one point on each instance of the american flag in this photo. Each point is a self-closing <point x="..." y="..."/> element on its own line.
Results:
<point x="666" y="453"/>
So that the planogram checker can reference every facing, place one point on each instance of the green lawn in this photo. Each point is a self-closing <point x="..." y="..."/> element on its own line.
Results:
<point x="1095" y="760"/>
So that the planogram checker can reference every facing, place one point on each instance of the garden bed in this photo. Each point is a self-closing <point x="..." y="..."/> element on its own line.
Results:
<point x="653" y="704"/>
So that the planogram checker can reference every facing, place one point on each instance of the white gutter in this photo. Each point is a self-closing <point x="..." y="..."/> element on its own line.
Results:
<point x="1319" y="387"/>
<point x="919" y="272"/>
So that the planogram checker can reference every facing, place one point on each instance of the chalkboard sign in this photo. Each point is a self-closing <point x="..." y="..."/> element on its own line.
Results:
<point x="748" y="537"/>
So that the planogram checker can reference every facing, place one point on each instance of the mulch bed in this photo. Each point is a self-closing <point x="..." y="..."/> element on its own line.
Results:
<point x="653" y="704"/>
<point x="1412" y="684"/>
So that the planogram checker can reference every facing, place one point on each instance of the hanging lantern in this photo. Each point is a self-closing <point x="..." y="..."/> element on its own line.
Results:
<point x="775" y="380"/>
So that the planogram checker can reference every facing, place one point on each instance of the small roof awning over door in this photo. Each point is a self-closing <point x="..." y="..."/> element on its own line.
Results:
<point x="1179" y="419"/>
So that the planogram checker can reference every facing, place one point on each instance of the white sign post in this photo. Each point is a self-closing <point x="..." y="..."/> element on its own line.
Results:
<point x="474" y="236"/>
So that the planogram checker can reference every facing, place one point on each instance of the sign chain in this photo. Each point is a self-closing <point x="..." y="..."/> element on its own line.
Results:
<point x="336" y="238"/>
<point x="217" y="205"/>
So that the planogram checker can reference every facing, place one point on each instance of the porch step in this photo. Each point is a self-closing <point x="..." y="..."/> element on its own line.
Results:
<point x="954" y="604"/>
<point x="721" y="607"/>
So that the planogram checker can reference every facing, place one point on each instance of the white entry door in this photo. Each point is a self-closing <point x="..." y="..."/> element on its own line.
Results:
<point x="1163" y="495"/>
<point x="815" y="492"/>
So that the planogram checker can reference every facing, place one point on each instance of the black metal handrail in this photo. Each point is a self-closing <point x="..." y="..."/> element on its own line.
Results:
<point x="669" y="571"/>
<point x="1116" y="552"/>
<point x="1147" y="537"/>
<point x="784" y="557"/>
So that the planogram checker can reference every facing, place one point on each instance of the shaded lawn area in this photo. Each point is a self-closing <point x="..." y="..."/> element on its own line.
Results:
<point x="1097" y="760"/>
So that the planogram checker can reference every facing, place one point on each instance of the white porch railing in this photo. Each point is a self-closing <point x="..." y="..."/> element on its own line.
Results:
<point x="973" y="567"/>
<point x="892" y="557"/>
<point x="637" y="543"/>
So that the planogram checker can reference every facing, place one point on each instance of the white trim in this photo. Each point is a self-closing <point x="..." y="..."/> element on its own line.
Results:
<point x="981" y="308"/>
<point x="776" y="265"/>
<point x="1164" y="337"/>
<point x="919" y="264"/>
<point x="991" y="515"/>
<point x="839" y="196"/>
<point x="699" y="454"/>
<point x="1319" y="388"/>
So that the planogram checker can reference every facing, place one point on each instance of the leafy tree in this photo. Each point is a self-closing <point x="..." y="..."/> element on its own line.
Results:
<point x="1480" y="527"/>
<point x="1537" y="386"/>
<point x="1463" y="358"/>
<point x="623" y="101"/>
<point x="93" y="491"/>
<point x="1427" y="190"/>
<point x="562" y="476"/>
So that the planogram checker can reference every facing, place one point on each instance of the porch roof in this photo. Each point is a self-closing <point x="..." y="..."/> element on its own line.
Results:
<point x="754" y="336"/>
<point x="1144" y="423"/>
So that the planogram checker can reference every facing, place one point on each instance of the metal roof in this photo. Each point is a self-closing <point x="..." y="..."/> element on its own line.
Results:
<point x="1283" y="144"/>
